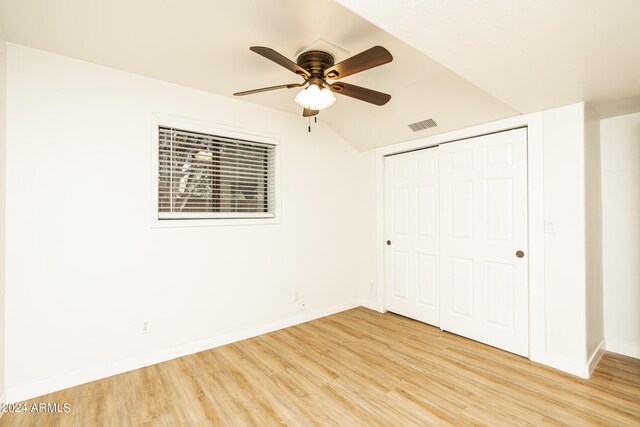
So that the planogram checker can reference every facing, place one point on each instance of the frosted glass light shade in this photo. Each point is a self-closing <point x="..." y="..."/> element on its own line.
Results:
<point x="315" y="98"/>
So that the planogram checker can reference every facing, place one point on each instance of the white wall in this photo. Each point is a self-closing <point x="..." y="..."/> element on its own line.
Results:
<point x="620" y="140"/>
<point x="3" y="144"/>
<point x="367" y="285"/>
<point x="564" y="207"/>
<point x="83" y="264"/>
<point x="593" y="233"/>
<point x="574" y="324"/>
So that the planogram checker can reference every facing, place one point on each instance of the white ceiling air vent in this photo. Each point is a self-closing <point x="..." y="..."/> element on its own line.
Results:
<point x="422" y="125"/>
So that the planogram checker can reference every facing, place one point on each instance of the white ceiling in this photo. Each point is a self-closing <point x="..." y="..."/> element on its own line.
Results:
<point x="204" y="44"/>
<point x="471" y="61"/>
<point x="531" y="55"/>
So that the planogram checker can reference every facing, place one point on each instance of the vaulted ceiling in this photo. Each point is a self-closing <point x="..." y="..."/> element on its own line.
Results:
<point x="531" y="55"/>
<point x="458" y="62"/>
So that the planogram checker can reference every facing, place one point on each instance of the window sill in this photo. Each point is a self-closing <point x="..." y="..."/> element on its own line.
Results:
<point x="212" y="222"/>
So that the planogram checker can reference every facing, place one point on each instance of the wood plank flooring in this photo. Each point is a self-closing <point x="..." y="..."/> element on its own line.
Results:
<point x="358" y="367"/>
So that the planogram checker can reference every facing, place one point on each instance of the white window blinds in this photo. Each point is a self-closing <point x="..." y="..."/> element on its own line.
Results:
<point x="207" y="176"/>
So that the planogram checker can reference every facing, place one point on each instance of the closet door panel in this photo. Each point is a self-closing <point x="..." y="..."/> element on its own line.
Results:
<point x="411" y="229"/>
<point x="483" y="226"/>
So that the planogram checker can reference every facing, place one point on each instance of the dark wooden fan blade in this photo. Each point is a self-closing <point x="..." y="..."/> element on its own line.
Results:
<point x="370" y="58"/>
<point x="309" y="113"/>
<point x="279" y="59"/>
<point x="266" y="89"/>
<point x="361" y="93"/>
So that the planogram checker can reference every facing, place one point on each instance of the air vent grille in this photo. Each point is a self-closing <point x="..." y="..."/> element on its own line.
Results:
<point x="422" y="125"/>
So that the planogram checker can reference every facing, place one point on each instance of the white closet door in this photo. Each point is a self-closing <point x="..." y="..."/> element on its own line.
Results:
<point x="483" y="225"/>
<point x="411" y="215"/>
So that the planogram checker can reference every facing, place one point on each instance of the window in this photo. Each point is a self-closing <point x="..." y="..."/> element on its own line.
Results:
<point x="204" y="176"/>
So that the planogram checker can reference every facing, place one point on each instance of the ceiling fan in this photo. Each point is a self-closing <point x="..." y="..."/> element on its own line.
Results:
<point x="316" y="67"/>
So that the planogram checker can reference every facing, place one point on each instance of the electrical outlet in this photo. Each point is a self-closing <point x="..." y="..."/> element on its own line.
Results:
<point x="296" y="295"/>
<point x="302" y="306"/>
<point x="145" y="326"/>
<point x="371" y="287"/>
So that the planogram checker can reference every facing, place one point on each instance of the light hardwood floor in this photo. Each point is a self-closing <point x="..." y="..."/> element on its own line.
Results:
<point x="354" y="368"/>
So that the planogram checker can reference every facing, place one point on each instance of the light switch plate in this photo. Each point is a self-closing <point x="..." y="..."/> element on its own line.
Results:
<point x="549" y="227"/>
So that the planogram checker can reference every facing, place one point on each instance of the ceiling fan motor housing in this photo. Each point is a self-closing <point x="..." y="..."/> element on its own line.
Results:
<point x="315" y="62"/>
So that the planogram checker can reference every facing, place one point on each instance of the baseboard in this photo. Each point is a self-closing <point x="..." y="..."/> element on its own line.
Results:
<point x="60" y="382"/>
<point x="595" y="357"/>
<point x="564" y="364"/>
<point x="623" y="347"/>
<point x="572" y="366"/>
<point x="373" y="305"/>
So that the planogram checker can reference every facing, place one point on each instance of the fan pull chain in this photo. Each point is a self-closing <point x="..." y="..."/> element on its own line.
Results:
<point x="315" y="120"/>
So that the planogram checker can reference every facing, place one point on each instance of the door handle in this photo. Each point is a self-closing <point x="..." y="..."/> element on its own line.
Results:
<point x="388" y="242"/>
<point x="519" y="254"/>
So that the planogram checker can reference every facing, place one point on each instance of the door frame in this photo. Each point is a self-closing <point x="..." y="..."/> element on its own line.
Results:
<point x="533" y="124"/>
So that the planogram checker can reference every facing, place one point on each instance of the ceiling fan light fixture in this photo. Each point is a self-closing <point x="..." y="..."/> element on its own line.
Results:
<point x="315" y="98"/>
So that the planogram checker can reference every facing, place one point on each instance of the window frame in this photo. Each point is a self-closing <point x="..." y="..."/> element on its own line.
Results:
<point x="162" y="120"/>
